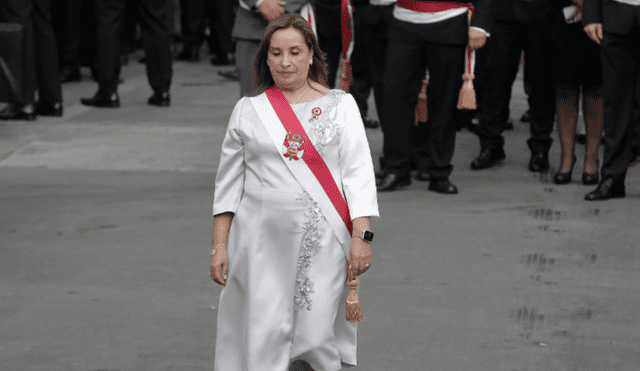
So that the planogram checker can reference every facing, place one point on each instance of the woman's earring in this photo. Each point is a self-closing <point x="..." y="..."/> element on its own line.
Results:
<point x="267" y="63"/>
<point x="311" y="62"/>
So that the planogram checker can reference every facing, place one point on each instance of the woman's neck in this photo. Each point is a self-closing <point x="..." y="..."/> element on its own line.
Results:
<point x="297" y="94"/>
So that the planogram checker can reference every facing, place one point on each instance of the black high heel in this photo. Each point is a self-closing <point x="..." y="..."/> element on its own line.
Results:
<point x="564" y="178"/>
<point x="591" y="179"/>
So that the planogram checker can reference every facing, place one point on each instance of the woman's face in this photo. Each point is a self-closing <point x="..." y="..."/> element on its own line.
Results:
<point x="289" y="58"/>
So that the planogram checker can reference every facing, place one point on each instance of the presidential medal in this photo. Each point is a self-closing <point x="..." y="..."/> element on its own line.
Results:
<point x="295" y="146"/>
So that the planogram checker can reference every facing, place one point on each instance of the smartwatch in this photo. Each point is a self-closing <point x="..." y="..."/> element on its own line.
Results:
<point x="365" y="235"/>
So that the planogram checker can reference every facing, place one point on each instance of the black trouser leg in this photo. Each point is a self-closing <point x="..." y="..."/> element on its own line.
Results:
<point x="505" y="47"/>
<point x="109" y="19"/>
<point x="157" y="44"/>
<point x="193" y="23"/>
<point x="221" y="17"/>
<point x="71" y="50"/>
<point x="538" y="49"/>
<point x="446" y="65"/>
<point x="400" y="98"/>
<point x="361" y="87"/>
<point x="19" y="11"/>
<point x="46" y="53"/>
<point x="376" y="53"/>
<point x="330" y="39"/>
<point x="621" y="75"/>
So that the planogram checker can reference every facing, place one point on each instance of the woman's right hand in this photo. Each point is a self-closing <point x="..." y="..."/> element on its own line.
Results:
<point x="219" y="261"/>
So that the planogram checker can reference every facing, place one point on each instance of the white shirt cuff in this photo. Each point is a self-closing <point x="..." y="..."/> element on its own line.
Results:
<point x="475" y="28"/>
<point x="258" y="3"/>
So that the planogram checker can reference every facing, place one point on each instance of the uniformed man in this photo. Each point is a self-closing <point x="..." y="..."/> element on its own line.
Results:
<point x="40" y="60"/>
<point x="615" y="27"/>
<point x="110" y="15"/>
<point x="441" y="29"/>
<point x="518" y="25"/>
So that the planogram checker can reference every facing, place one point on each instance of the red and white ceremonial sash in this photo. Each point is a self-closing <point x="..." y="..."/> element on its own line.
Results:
<point x="312" y="172"/>
<point x="439" y="6"/>
<point x="347" y="29"/>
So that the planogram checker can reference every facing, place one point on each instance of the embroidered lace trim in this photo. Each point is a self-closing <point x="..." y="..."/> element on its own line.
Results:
<point x="324" y="128"/>
<point x="310" y="247"/>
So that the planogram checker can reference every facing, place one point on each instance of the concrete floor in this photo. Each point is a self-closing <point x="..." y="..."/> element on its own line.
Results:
<point x="105" y="234"/>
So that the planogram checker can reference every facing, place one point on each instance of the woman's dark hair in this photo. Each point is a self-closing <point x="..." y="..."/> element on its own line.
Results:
<point x="317" y="71"/>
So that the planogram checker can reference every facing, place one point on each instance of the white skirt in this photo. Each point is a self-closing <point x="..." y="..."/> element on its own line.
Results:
<point x="259" y="327"/>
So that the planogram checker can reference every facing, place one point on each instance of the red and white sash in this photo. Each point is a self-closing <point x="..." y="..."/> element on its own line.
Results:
<point x="439" y="6"/>
<point x="312" y="173"/>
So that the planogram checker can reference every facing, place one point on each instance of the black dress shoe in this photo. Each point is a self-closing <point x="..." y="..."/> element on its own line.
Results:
<point x="17" y="112"/>
<point x="112" y="101"/>
<point x="443" y="186"/>
<point x="423" y="176"/>
<point x="46" y="109"/>
<point x="488" y="158"/>
<point x="188" y="55"/>
<point x="381" y="173"/>
<point x="525" y="117"/>
<point x="160" y="100"/>
<point x="70" y="74"/>
<point x="565" y="178"/>
<point x="393" y="181"/>
<point x="539" y="162"/>
<point x="219" y="60"/>
<point x="608" y="188"/>
<point x="590" y="179"/>
<point x="231" y="75"/>
<point x="369" y="123"/>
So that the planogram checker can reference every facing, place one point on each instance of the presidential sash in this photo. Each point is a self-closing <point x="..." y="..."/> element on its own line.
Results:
<point x="304" y="161"/>
<point x="272" y="107"/>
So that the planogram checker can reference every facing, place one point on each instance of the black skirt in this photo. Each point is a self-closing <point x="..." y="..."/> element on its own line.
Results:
<point x="578" y="57"/>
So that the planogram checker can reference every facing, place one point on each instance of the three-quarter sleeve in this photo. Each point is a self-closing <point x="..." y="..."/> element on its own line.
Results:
<point x="231" y="169"/>
<point x="356" y="166"/>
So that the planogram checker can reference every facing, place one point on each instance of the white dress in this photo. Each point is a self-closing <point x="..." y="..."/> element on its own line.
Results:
<point x="285" y="294"/>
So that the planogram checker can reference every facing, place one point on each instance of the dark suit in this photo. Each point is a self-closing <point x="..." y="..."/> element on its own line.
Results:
<point x="220" y="14"/>
<point x="110" y="15"/>
<point x="362" y="79"/>
<point x="445" y="44"/>
<point x="329" y="26"/>
<point x="66" y="22"/>
<point x="377" y="20"/>
<point x="518" y="25"/>
<point x="40" y="66"/>
<point x="248" y="29"/>
<point x="620" y="55"/>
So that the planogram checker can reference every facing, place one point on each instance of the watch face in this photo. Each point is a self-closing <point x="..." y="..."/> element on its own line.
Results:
<point x="368" y="236"/>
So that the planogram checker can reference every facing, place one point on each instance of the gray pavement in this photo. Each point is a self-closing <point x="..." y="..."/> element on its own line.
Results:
<point x="105" y="234"/>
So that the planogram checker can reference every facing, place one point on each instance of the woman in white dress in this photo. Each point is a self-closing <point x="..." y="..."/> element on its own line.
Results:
<point x="276" y="246"/>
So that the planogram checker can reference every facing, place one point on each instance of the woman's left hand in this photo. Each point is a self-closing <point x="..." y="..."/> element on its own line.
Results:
<point x="360" y="255"/>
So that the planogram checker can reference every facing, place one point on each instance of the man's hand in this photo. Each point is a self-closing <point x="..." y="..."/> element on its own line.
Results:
<point x="477" y="39"/>
<point x="594" y="31"/>
<point x="577" y="15"/>
<point x="272" y="9"/>
<point x="360" y="255"/>
<point x="579" y="3"/>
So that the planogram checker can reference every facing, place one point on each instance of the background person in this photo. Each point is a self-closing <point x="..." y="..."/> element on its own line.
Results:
<point x="578" y="65"/>
<point x="110" y="15"/>
<point x="284" y="266"/>
<point x="614" y="26"/>
<point x="40" y="60"/>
